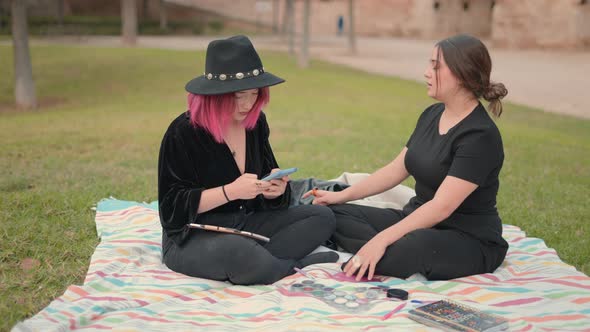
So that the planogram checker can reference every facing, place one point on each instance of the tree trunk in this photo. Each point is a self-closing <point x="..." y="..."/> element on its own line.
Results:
<point x="285" y="23"/>
<point x="304" y="55"/>
<point x="351" y="30"/>
<point x="129" y="20"/>
<point x="24" y="87"/>
<point x="60" y="12"/>
<point x="163" y="15"/>
<point x="145" y="9"/>
<point x="290" y="10"/>
<point x="275" y="16"/>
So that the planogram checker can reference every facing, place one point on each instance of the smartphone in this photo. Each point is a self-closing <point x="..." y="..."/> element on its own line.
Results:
<point x="279" y="174"/>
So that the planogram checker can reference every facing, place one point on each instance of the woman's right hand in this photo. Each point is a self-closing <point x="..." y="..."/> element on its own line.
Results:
<point x="246" y="186"/>
<point x="323" y="197"/>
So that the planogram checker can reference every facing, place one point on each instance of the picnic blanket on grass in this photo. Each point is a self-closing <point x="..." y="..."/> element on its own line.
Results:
<point x="127" y="287"/>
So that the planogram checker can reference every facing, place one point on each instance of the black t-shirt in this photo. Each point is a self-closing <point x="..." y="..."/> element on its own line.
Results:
<point x="191" y="161"/>
<point x="471" y="150"/>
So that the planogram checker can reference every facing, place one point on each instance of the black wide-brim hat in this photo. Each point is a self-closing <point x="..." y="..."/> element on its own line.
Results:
<point x="231" y="65"/>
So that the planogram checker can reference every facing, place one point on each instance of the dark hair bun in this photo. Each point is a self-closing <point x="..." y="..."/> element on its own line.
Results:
<point x="495" y="91"/>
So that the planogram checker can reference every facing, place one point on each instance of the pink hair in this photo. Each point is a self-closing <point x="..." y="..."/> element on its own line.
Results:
<point x="214" y="113"/>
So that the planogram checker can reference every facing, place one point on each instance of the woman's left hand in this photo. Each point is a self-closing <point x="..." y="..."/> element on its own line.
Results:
<point x="366" y="258"/>
<point x="277" y="187"/>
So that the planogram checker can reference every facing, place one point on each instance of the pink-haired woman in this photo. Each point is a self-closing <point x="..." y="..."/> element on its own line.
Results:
<point x="212" y="158"/>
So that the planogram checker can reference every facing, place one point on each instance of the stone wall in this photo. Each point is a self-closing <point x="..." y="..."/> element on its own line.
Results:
<point x="509" y="23"/>
<point x="541" y="23"/>
<point x="145" y="8"/>
<point x="413" y="18"/>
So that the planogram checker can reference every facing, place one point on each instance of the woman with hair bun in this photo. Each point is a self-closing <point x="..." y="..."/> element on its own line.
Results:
<point x="451" y="228"/>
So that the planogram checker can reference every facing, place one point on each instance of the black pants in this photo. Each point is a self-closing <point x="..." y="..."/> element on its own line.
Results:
<point x="294" y="233"/>
<point x="437" y="254"/>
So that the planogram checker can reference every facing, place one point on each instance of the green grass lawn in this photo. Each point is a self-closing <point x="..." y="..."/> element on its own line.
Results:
<point x="105" y="110"/>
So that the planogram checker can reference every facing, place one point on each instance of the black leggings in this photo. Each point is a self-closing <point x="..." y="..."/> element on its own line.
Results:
<point x="437" y="254"/>
<point x="294" y="233"/>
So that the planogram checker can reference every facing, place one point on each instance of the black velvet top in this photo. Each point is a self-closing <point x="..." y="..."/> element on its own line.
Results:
<point x="191" y="161"/>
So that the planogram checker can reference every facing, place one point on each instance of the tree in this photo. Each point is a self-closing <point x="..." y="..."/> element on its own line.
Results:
<point x="129" y="21"/>
<point x="145" y="7"/>
<point x="304" y="54"/>
<point x="2" y="19"/>
<point x="285" y="22"/>
<point x="60" y="13"/>
<point x="351" y="32"/>
<point x="289" y="24"/>
<point x="24" y="86"/>
<point x="275" y="16"/>
<point x="163" y="15"/>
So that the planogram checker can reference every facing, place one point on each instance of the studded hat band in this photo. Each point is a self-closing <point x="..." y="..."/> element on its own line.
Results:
<point x="236" y="76"/>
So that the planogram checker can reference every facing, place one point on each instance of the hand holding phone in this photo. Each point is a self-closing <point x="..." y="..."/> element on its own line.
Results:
<point x="279" y="174"/>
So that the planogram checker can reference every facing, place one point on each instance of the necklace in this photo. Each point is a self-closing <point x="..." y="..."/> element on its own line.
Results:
<point x="232" y="150"/>
<point x="229" y="146"/>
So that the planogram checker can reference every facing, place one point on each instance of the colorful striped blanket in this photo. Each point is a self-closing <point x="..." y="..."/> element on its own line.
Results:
<point x="128" y="288"/>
